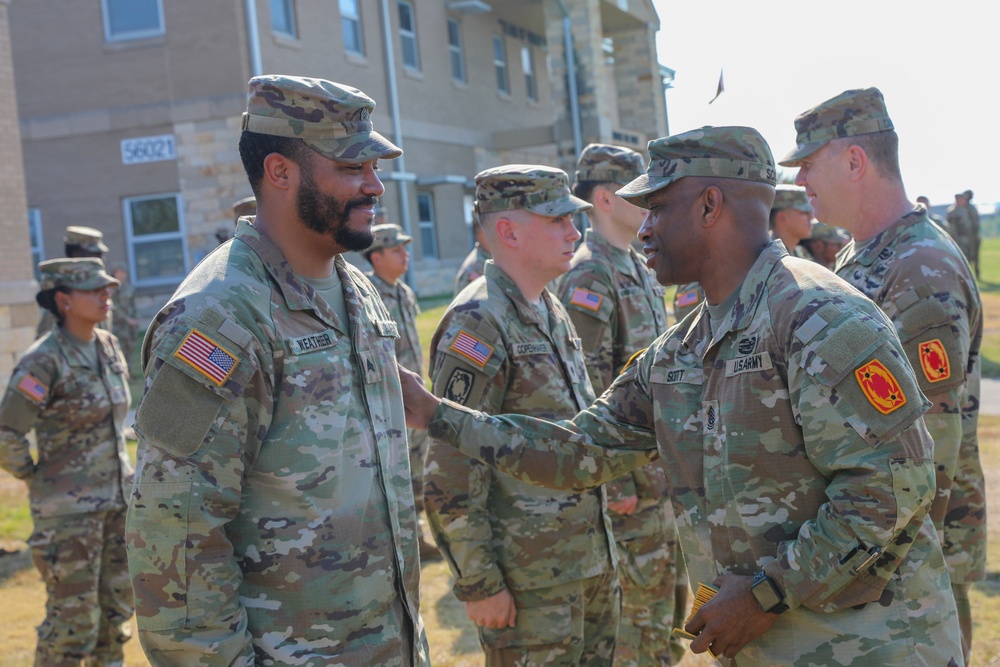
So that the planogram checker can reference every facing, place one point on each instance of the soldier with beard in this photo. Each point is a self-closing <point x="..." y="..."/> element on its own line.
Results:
<point x="272" y="447"/>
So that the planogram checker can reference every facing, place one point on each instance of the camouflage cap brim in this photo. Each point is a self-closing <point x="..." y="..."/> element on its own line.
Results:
<point x="641" y="187"/>
<point x="97" y="281"/>
<point x="559" y="207"/>
<point x="355" y="149"/>
<point x="801" y="152"/>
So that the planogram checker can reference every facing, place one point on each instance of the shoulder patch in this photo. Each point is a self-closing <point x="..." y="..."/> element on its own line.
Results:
<point x="688" y="298"/>
<point x="471" y="348"/>
<point x="586" y="299"/>
<point x="880" y="387"/>
<point x="459" y="386"/>
<point x="32" y="388"/>
<point x="934" y="361"/>
<point x="207" y="357"/>
<point x="632" y="359"/>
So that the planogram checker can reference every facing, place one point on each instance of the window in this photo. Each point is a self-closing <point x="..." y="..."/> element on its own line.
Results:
<point x="408" y="35"/>
<point x="528" y="65"/>
<point x="350" y="21"/>
<point x="455" y="51"/>
<point x="132" y="19"/>
<point x="283" y="18"/>
<point x="500" y="64"/>
<point x="155" y="233"/>
<point x="35" y="233"/>
<point x="428" y="232"/>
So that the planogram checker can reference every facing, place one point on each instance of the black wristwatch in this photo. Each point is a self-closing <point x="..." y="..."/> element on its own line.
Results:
<point x="767" y="594"/>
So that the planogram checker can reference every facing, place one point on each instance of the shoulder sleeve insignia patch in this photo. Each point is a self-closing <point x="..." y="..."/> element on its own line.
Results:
<point x="688" y="298"/>
<point x="459" y="386"/>
<point x="472" y="348"/>
<point x="32" y="388"/>
<point x="586" y="299"/>
<point x="880" y="387"/>
<point x="934" y="361"/>
<point x="207" y="357"/>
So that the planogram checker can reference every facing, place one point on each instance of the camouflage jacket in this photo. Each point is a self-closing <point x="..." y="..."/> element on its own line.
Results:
<point x="78" y="413"/>
<point x="273" y="465"/>
<point x="401" y="302"/>
<point x="795" y="444"/>
<point x="917" y="275"/>
<point x="472" y="267"/>
<point x="124" y="310"/>
<point x="492" y="352"/>
<point x="617" y="308"/>
<point x="686" y="299"/>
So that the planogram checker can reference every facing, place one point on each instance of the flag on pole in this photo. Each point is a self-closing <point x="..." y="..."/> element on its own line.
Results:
<point x="719" y="91"/>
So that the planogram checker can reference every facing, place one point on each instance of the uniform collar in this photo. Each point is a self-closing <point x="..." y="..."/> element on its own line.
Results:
<point x="877" y="244"/>
<point x="526" y="311"/>
<point x="622" y="260"/>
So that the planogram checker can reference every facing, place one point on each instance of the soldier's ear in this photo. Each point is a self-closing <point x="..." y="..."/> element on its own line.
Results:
<point x="280" y="171"/>
<point x="507" y="231"/>
<point x="711" y="201"/>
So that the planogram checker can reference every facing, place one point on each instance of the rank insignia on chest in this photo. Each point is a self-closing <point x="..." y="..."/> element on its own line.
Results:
<point x="586" y="299"/>
<point x="934" y="361"/>
<point x="207" y="357"/>
<point x="472" y="348"/>
<point x="880" y="387"/>
<point x="32" y="388"/>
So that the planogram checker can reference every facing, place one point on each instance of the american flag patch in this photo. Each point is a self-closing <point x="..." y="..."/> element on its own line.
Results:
<point x="472" y="348"/>
<point x="32" y="388"/>
<point x="207" y="357"/>
<point x="687" y="298"/>
<point x="586" y="299"/>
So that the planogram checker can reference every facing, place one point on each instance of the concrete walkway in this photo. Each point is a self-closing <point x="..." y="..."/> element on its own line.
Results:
<point x="989" y="402"/>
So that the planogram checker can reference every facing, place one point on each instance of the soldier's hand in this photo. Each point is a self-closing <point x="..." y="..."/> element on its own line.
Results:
<point x="419" y="403"/>
<point x="626" y="506"/>
<point x="730" y="620"/>
<point x="496" y="611"/>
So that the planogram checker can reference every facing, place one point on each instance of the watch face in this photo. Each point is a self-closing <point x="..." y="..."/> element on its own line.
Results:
<point x="766" y="594"/>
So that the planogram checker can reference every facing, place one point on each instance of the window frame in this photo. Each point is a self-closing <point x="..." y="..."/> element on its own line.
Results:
<point x="410" y="35"/>
<point x="500" y="66"/>
<point x="427" y="227"/>
<point x="134" y="34"/>
<point x="530" y="77"/>
<point x="357" y="27"/>
<point x="133" y="241"/>
<point x="290" y="14"/>
<point x="35" y="238"/>
<point x="456" y="52"/>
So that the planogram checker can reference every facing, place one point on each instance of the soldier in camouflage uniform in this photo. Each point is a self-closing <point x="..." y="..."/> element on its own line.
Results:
<point x="272" y="519"/>
<point x="824" y="242"/>
<point x="474" y="264"/>
<point x="389" y="258"/>
<point x="71" y="386"/>
<point x="686" y="299"/>
<point x="618" y="309"/>
<point x="124" y="322"/>
<point x="78" y="242"/>
<point x="800" y="469"/>
<point x="791" y="218"/>
<point x="916" y="274"/>
<point x="963" y="224"/>
<point x="535" y="568"/>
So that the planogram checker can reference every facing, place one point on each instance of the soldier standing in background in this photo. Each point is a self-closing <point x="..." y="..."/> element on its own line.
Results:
<point x="799" y="467"/>
<point x="473" y="265"/>
<point x="686" y="299"/>
<point x="790" y="219"/>
<point x="963" y="220"/>
<point x="78" y="242"/>
<point x="617" y="308"/>
<point x="124" y="322"/>
<point x="535" y="568"/>
<point x="848" y="160"/>
<point x="824" y="242"/>
<point x="71" y="386"/>
<point x="389" y="257"/>
<point x="936" y="219"/>
<point x="272" y="519"/>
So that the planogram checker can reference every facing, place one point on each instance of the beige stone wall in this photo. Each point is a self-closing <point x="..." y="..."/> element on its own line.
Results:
<point x="18" y="312"/>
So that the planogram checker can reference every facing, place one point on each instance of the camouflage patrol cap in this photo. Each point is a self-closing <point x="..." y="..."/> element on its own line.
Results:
<point x="853" y="112"/>
<point x="245" y="206"/>
<point x="608" y="164"/>
<point x="88" y="238"/>
<point x="716" y="152"/>
<point x="824" y="232"/>
<point x="331" y="118"/>
<point x="791" y="196"/>
<point x="77" y="273"/>
<point x="531" y="187"/>
<point x="388" y="236"/>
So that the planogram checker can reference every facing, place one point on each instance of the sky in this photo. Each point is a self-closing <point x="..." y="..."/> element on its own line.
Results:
<point x="935" y="62"/>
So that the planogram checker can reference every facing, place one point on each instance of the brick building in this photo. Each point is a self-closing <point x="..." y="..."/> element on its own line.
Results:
<point x="130" y="109"/>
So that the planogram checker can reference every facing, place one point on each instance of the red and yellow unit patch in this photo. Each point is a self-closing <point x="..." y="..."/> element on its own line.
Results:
<point x="32" y="388"/>
<point x="473" y="349"/>
<point x="207" y="357"/>
<point x="934" y="361"/>
<point x="586" y="299"/>
<point x="880" y="387"/>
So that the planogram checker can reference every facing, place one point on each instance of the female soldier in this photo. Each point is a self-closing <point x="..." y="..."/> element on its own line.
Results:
<point x="71" y="386"/>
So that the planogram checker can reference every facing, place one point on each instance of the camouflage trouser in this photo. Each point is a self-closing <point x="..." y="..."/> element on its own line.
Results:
<point x="961" y="592"/>
<point x="82" y="561"/>
<point x="571" y="625"/>
<point x="649" y="591"/>
<point x="418" y="442"/>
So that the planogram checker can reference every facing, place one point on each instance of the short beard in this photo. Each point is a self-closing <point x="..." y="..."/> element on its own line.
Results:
<point x="325" y="215"/>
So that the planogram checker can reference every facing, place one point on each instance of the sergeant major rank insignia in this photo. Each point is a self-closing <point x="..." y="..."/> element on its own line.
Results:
<point x="934" y="361"/>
